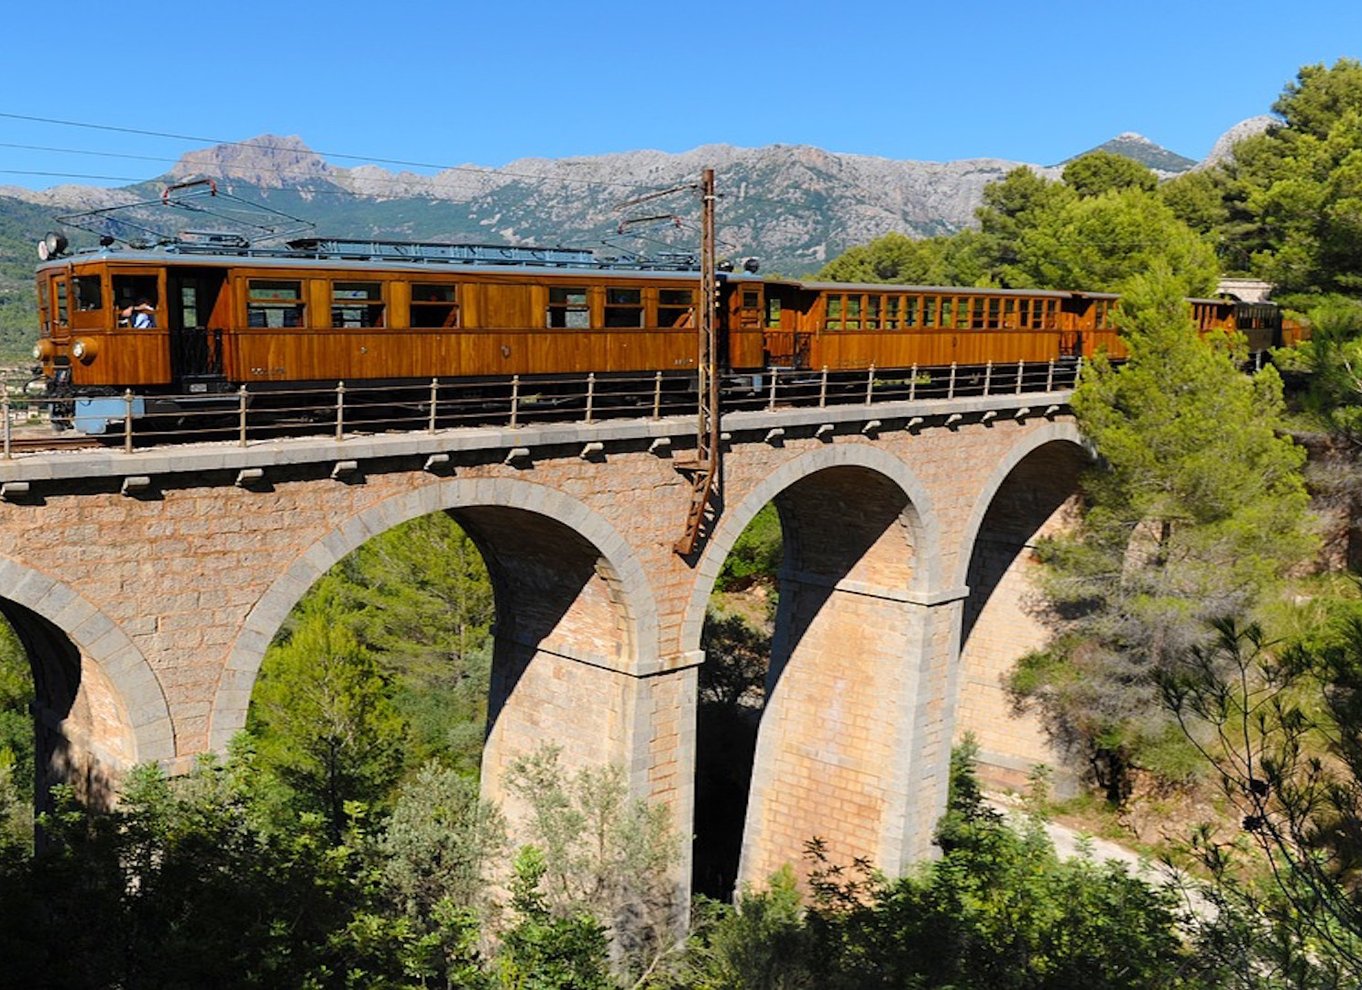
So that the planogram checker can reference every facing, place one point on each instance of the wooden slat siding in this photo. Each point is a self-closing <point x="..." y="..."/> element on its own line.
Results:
<point x="357" y="353"/>
<point x="747" y="349"/>
<point x="1104" y="340"/>
<point x="851" y="349"/>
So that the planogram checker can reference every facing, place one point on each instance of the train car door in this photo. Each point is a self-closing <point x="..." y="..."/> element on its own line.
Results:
<point x="194" y="297"/>
<point x="786" y="346"/>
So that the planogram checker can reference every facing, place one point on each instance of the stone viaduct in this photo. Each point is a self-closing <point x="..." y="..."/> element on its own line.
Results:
<point x="146" y="587"/>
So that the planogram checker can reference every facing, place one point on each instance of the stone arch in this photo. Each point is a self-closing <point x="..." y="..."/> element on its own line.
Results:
<point x="101" y="706"/>
<point x="843" y="749"/>
<point x="476" y="502"/>
<point x="1063" y="431"/>
<point x="920" y="518"/>
<point x="1031" y="492"/>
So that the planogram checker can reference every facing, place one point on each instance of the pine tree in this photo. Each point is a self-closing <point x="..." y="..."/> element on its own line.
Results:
<point x="1196" y="508"/>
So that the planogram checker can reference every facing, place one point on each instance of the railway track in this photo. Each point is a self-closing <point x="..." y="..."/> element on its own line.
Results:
<point x="56" y="441"/>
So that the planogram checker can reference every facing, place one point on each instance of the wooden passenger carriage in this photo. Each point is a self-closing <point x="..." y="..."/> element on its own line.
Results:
<point x="252" y="318"/>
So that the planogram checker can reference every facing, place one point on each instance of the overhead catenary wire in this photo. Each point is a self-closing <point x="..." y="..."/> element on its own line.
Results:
<point x="367" y="159"/>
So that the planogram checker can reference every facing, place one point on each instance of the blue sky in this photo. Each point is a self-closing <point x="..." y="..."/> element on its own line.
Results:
<point x="452" y="82"/>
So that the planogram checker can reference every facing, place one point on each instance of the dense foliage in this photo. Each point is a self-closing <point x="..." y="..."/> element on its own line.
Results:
<point x="16" y="741"/>
<point x="998" y="910"/>
<point x="1196" y="508"/>
<point x="383" y="666"/>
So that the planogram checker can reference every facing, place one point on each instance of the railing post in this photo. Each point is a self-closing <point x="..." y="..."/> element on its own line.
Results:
<point x="988" y="376"/>
<point x="4" y="410"/>
<point x="1050" y="376"/>
<point x="823" y="388"/>
<point x="434" y="401"/>
<point x="1078" y="370"/>
<point x="912" y="383"/>
<point x="771" y="398"/>
<point x="950" y="385"/>
<point x="127" y="421"/>
<point x="870" y="385"/>
<point x="1021" y="371"/>
<point x="657" y="395"/>
<point x="340" y="410"/>
<point x="590" y="395"/>
<point x="515" y="400"/>
<point x="241" y="415"/>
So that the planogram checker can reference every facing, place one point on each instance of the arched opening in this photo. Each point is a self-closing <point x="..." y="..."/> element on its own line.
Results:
<point x="382" y="666"/>
<point x="62" y="720"/>
<point x="739" y="626"/>
<point x="523" y="635"/>
<point x="837" y="754"/>
<point x="1000" y="624"/>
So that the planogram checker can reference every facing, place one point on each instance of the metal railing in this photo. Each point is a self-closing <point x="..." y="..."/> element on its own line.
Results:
<point x="345" y="410"/>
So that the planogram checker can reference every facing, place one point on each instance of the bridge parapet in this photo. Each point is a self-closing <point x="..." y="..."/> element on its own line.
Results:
<point x="518" y="444"/>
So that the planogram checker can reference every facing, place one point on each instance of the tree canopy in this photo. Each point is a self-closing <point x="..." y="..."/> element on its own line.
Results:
<point x="1195" y="509"/>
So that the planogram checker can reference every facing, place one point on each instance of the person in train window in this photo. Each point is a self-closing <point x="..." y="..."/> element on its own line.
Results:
<point x="141" y="316"/>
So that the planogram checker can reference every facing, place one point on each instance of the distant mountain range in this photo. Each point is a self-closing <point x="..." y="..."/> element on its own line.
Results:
<point x="794" y="207"/>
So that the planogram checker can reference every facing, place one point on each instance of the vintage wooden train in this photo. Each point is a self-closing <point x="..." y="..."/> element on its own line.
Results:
<point x="204" y="318"/>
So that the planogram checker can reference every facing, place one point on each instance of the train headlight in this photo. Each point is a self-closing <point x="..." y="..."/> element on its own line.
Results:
<point x="51" y="246"/>
<point x="44" y="350"/>
<point x="37" y="353"/>
<point x="84" y="350"/>
<point x="78" y="349"/>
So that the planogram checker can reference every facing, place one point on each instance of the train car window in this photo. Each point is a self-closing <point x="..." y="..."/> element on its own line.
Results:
<point x="872" y="312"/>
<point x="852" y="319"/>
<point x="995" y="308"/>
<point x="89" y="292"/>
<point x="568" y="309"/>
<point x="911" y="311"/>
<point x="930" y="305"/>
<point x="434" y="306"/>
<point x="773" y="312"/>
<point x="61" y="301"/>
<point x="130" y="290"/>
<point x="834" y="320"/>
<point x="271" y="303"/>
<point x="357" y="304"/>
<point x="675" y="308"/>
<point x="623" y="307"/>
<point x="947" y="312"/>
<point x="891" y="312"/>
<point x="1009" y="321"/>
<point x="189" y="306"/>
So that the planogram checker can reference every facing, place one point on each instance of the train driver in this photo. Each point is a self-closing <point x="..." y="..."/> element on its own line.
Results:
<point x="141" y="316"/>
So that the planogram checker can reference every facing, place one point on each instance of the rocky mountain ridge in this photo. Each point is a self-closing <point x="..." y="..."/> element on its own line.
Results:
<point x="794" y="206"/>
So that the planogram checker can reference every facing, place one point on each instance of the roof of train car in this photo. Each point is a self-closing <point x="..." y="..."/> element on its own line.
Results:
<point x="303" y="260"/>
<point x="959" y="290"/>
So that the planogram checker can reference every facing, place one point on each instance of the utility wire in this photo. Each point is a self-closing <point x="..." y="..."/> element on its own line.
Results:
<point x="371" y="159"/>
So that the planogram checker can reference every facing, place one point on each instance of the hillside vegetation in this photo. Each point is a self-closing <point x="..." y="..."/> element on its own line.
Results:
<point x="21" y="224"/>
